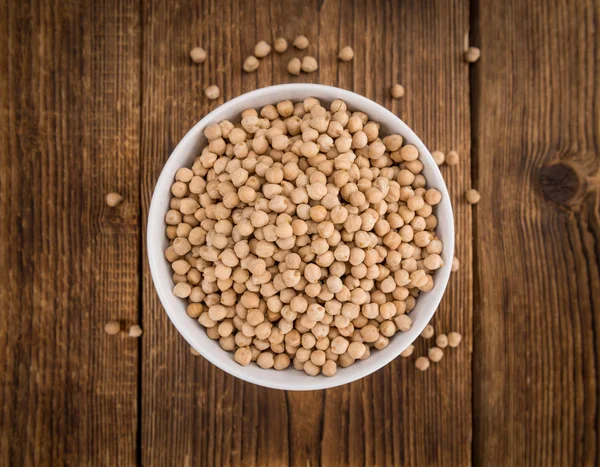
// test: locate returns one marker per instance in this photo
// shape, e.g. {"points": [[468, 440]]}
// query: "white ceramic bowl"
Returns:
{"points": [[184, 154]]}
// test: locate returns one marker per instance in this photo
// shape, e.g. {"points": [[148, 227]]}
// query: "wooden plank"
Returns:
{"points": [[537, 234], [70, 121], [194, 413], [391, 413]]}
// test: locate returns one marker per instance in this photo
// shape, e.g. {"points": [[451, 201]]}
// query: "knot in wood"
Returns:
{"points": [[561, 183]]}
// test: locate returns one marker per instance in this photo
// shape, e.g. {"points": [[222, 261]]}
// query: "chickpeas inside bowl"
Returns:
{"points": [[307, 228]]}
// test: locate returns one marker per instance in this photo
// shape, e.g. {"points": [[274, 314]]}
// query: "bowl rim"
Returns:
{"points": [[155, 222]]}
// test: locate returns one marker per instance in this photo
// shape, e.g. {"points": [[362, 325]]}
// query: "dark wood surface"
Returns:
{"points": [[95, 95]]}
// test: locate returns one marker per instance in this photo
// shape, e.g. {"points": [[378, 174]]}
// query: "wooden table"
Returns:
{"points": [[94, 97]]}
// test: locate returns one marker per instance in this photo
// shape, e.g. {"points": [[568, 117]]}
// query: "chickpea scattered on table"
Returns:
{"points": [[280, 45], [346, 54], [113, 199], [397, 91], [301, 42], [198, 55], [472, 54], [212, 92]]}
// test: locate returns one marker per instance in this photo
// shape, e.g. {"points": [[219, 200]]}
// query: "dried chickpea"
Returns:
{"points": [[280, 45], [112, 328], [262, 49], [422, 363], [441, 340], [452, 158], [397, 91], [473, 196], [439, 157], [265, 360], [309, 64], [435, 354], [329, 368], [408, 351], [294, 66], [346, 54], [356, 349], [454, 339], [250, 64], [198, 55], [472, 54], [311, 369], [114, 199], [281, 361], [301, 42], [212, 92], [428, 332]]}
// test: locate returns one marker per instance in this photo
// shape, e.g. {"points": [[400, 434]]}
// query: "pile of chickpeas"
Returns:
{"points": [[301, 236]]}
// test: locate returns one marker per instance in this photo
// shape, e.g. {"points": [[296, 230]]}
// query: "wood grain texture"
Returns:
{"points": [[537, 328], [70, 121], [94, 96], [193, 413]]}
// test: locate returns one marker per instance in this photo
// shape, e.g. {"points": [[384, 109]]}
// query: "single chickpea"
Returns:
{"points": [[262, 49], [346, 54], [294, 66], [473, 196], [454, 339], [433, 196], [112, 328], [397, 91], [439, 157], [135, 331], [250, 64], [280, 45], [472, 54], [441, 340], [113, 199], [212, 92], [345, 360], [301, 42], [318, 357], [312, 273], [198, 55], [329, 368], [182, 290], [369, 333], [452, 158], [393, 142], [409, 153], [315, 312], [435, 354], [433, 262], [311, 369], [415, 203], [318, 213], [408, 351], [339, 345], [265, 360], [357, 349], [281, 361], [455, 264], [422, 363], [428, 332], [309, 64], [403, 323]]}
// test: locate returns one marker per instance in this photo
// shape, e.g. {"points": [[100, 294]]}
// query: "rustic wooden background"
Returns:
{"points": [[95, 95]]}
